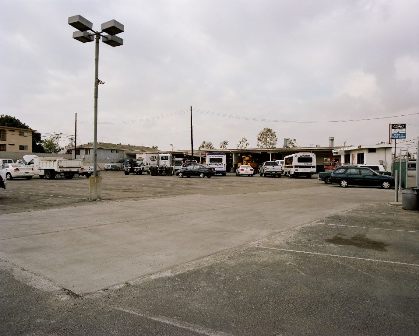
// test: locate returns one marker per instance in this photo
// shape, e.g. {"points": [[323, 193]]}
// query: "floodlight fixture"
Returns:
{"points": [[113, 41], [83, 36], [112, 27], [80, 23]]}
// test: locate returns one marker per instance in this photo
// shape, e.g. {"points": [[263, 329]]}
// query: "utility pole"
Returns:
{"points": [[75, 135], [191, 136]]}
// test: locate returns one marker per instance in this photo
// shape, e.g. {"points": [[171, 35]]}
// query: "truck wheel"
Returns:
{"points": [[68, 176], [126, 173], [202, 175], [9, 176], [50, 175], [180, 174]]}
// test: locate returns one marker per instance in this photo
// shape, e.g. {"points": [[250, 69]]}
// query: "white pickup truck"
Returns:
{"points": [[270, 168]]}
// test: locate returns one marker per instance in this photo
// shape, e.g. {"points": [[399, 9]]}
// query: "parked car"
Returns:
{"points": [[112, 166], [244, 170], [2, 178], [361, 176], [281, 164], [18, 170], [133, 167], [86, 171], [270, 168], [4, 162], [195, 169]]}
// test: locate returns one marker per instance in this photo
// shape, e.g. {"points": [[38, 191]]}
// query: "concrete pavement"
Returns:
{"points": [[96, 246]]}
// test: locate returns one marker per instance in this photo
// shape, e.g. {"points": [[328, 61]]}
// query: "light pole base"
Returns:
{"points": [[95, 188]]}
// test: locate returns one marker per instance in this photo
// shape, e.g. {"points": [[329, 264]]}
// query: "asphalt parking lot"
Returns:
{"points": [[219, 256]]}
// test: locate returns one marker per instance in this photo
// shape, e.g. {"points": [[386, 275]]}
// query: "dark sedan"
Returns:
{"points": [[195, 169], [360, 176]]}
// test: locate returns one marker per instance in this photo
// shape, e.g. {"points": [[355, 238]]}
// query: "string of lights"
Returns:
{"points": [[262, 119]]}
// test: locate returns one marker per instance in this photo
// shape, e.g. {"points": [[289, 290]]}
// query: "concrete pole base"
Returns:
{"points": [[95, 188]]}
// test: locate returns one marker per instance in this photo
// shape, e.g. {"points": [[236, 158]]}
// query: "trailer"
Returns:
{"points": [[157, 164], [300, 164], [218, 162]]}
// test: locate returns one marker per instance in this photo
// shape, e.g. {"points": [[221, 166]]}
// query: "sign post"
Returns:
{"points": [[397, 131]]}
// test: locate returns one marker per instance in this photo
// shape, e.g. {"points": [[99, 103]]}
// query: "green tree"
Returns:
{"points": [[51, 144], [243, 143], [291, 143], [224, 144], [267, 138], [206, 145]]}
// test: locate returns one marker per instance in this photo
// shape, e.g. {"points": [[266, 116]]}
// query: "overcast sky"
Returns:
{"points": [[243, 65]]}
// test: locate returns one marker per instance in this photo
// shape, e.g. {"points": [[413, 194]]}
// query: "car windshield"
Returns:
{"points": [[271, 163]]}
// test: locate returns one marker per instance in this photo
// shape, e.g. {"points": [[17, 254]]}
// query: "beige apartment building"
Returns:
{"points": [[15, 140]]}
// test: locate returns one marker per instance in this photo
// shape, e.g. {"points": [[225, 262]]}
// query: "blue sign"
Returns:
{"points": [[398, 131]]}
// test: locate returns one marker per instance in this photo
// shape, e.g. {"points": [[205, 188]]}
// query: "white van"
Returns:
{"points": [[218, 162], [300, 164]]}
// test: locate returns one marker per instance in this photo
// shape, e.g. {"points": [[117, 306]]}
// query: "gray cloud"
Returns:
{"points": [[278, 60]]}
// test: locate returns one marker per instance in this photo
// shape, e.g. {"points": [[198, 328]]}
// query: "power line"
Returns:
{"points": [[239, 117], [262, 119]]}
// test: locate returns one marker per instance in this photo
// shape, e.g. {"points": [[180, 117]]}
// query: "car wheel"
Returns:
{"points": [[9, 176], [28, 177], [209, 176], [202, 175], [126, 173], [343, 183], [327, 180], [386, 185], [180, 174]]}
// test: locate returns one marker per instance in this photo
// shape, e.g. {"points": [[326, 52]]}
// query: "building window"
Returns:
{"points": [[347, 159], [87, 152], [11, 144], [372, 150], [360, 158], [23, 133], [2, 135], [2, 148], [77, 151], [23, 147]]}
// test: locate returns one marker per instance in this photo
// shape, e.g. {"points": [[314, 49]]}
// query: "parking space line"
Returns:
{"points": [[337, 256], [179, 324], [373, 228]]}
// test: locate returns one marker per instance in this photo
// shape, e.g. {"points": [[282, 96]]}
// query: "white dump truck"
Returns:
{"points": [[50, 167]]}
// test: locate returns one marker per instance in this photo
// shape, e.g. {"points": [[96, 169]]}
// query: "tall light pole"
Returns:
{"points": [[85, 33]]}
